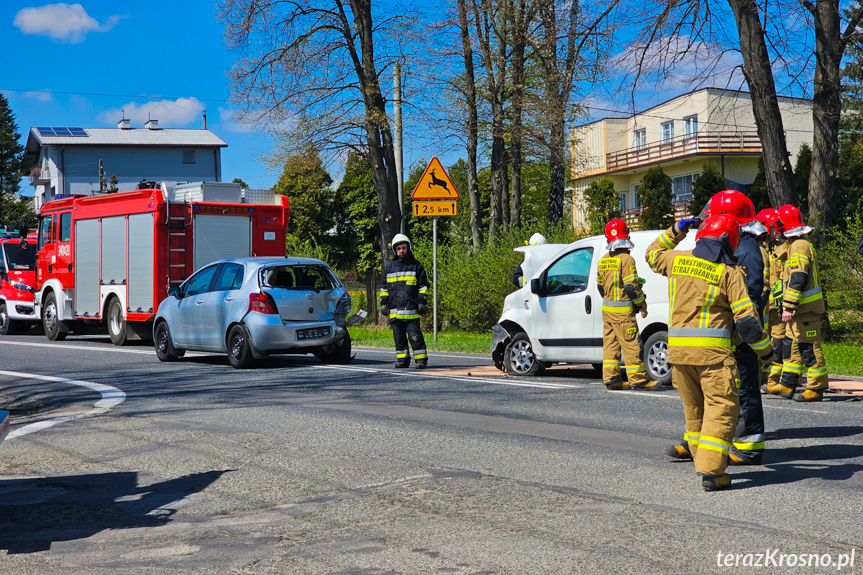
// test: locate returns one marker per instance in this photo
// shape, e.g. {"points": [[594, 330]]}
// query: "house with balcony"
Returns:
{"points": [[64, 161], [681, 135]]}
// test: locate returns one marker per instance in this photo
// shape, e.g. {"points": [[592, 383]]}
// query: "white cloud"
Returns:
{"points": [[169, 113], [39, 95], [64, 23]]}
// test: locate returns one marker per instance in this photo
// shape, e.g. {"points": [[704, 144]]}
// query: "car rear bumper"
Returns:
{"points": [[270, 334]]}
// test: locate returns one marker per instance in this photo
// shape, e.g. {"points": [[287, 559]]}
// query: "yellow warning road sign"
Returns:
{"points": [[435, 208], [435, 184]]}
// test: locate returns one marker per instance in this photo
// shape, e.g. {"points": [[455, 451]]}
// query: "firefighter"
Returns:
{"points": [[620, 288], [748, 445], [518, 277], [404, 296], [802, 307], [778, 251], [707, 299]]}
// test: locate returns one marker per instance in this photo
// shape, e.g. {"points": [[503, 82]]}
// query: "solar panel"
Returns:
{"points": [[62, 131], [78, 131], [45, 131]]}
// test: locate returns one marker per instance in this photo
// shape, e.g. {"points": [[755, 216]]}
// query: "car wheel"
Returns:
{"points": [[337, 353], [239, 348], [116, 322], [519, 358], [51, 319], [7, 326], [165, 349], [656, 358]]}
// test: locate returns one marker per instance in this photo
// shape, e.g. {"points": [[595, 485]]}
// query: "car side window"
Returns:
{"points": [[200, 282], [46, 230], [570, 273], [230, 277], [65, 227]]}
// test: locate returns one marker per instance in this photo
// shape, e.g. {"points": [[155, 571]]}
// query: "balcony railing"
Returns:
{"points": [[681, 146], [680, 208], [39, 175]]}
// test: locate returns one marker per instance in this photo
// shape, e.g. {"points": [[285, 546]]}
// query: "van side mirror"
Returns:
{"points": [[536, 287]]}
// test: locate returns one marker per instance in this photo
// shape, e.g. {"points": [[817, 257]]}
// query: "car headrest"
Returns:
{"points": [[283, 279]]}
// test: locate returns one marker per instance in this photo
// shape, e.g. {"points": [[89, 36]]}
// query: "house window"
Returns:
{"points": [[188, 156], [690, 126], [639, 138], [681, 188], [636, 196], [622, 197], [667, 131]]}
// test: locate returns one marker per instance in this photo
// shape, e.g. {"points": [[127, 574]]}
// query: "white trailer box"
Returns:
{"points": [[218, 192]]}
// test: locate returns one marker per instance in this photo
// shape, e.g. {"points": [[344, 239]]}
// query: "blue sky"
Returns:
{"points": [[83, 64]]}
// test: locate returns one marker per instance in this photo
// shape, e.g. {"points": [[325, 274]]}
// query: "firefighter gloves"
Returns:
{"points": [[684, 224]]}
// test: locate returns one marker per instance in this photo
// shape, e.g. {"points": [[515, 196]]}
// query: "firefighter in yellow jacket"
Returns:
{"points": [[619, 286], [802, 307], [707, 300], [778, 251]]}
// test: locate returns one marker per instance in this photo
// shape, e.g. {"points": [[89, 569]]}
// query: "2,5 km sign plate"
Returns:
{"points": [[435, 208]]}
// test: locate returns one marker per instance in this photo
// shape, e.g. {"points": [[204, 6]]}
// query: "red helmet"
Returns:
{"points": [[733, 203], [789, 219], [616, 230], [768, 217], [720, 226]]}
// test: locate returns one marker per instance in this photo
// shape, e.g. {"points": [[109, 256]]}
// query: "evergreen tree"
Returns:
{"points": [[851, 121], [12, 208], [603, 204], [240, 181], [709, 182], [758, 192], [655, 192], [802, 168]]}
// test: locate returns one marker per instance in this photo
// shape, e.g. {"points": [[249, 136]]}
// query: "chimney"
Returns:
{"points": [[124, 124], [205, 119], [152, 124]]}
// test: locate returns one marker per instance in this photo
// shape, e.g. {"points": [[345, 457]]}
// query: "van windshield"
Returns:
{"points": [[20, 256]]}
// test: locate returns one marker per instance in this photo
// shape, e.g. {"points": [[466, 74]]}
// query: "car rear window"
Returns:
{"points": [[20, 256], [300, 277]]}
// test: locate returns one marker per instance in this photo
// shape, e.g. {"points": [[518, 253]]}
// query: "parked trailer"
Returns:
{"points": [[111, 259]]}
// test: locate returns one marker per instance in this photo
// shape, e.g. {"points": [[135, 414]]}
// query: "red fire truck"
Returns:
{"points": [[17, 281], [110, 259]]}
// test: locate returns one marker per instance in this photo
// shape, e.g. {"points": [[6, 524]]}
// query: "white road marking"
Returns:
{"points": [[111, 397], [432, 375]]}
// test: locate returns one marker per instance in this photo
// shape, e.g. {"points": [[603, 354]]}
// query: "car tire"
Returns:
{"points": [[165, 349], [239, 348], [656, 358], [340, 354], [7, 326], [519, 358], [116, 322], [51, 319]]}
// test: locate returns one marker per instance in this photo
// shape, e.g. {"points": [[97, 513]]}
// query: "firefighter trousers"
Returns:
{"points": [[806, 355], [781, 348], [405, 330], [623, 336], [710, 407], [749, 437]]}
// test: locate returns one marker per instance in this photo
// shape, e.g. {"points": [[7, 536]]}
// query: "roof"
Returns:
{"points": [[169, 137]]}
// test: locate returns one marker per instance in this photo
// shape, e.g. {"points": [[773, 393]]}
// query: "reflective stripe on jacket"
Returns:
{"points": [[617, 270], [403, 281], [802, 287]]}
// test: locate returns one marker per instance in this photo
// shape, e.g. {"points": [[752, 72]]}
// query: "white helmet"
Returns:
{"points": [[400, 239], [536, 240]]}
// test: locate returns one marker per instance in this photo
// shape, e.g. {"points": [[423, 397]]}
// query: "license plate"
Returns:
{"points": [[313, 332]]}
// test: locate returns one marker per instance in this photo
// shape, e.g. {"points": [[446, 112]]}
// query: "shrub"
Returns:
{"points": [[841, 269]]}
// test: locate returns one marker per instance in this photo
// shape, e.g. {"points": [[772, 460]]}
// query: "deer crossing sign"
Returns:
{"points": [[435, 184]]}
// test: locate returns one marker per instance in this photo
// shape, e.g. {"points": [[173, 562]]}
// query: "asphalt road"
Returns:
{"points": [[118, 464]]}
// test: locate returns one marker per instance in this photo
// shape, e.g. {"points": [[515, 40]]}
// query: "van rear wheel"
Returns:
{"points": [[519, 359], [656, 358]]}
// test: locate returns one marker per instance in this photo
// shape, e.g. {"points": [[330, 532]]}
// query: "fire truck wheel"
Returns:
{"points": [[116, 322], [165, 349], [239, 348], [51, 320], [7, 326]]}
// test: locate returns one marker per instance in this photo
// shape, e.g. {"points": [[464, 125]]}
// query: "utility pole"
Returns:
{"points": [[397, 139]]}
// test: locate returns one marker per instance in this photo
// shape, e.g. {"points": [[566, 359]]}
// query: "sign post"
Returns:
{"points": [[435, 195]]}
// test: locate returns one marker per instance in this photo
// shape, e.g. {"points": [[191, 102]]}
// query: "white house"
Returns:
{"points": [[64, 161], [681, 135]]}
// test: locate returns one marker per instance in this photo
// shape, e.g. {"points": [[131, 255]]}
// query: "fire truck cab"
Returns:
{"points": [[110, 259], [17, 281]]}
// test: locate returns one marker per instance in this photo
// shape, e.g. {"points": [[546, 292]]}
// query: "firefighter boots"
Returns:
{"points": [[615, 384], [679, 451], [403, 362], [780, 390], [422, 363], [715, 482], [737, 457], [809, 395]]}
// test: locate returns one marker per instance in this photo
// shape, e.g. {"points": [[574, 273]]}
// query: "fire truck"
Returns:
{"points": [[110, 259], [17, 280]]}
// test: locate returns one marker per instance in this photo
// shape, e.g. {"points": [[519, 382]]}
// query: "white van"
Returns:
{"points": [[556, 317]]}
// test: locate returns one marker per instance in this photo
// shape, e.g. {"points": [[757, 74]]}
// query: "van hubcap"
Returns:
{"points": [[522, 357], [657, 359]]}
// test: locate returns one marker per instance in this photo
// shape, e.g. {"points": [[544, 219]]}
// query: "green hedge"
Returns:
{"points": [[841, 270]]}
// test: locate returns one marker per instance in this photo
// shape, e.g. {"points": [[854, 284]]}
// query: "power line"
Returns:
{"points": [[111, 95]]}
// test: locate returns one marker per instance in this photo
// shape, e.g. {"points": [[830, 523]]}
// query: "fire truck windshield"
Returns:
{"points": [[20, 256]]}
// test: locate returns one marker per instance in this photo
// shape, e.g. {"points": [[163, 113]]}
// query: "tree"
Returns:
{"points": [[709, 182], [242, 183], [758, 193], [802, 178], [12, 208], [603, 204], [310, 73], [655, 192]]}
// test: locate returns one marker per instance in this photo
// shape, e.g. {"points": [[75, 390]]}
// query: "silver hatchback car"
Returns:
{"points": [[250, 308]]}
